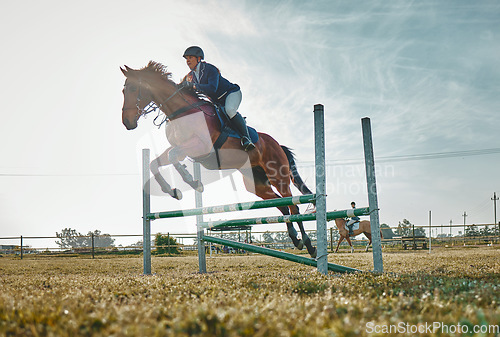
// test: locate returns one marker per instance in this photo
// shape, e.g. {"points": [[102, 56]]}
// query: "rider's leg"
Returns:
{"points": [[350, 225], [233, 101]]}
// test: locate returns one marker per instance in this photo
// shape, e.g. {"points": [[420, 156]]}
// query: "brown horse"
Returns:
{"points": [[364, 228], [192, 130]]}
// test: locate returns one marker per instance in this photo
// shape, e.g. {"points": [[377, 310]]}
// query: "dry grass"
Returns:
{"points": [[246, 295]]}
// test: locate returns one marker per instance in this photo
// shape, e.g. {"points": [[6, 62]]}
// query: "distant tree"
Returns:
{"points": [[268, 237], [486, 231], [100, 240], [137, 244], [282, 237], [70, 238], [472, 231], [166, 244], [405, 228], [335, 235]]}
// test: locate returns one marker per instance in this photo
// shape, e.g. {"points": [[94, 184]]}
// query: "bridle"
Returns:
{"points": [[152, 106]]}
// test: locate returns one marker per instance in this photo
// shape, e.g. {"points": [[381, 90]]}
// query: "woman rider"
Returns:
{"points": [[207, 79]]}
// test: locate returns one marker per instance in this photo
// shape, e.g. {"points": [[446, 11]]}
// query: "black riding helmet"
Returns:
{"points": [[194, 51]]}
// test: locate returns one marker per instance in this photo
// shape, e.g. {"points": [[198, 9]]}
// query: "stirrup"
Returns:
{"points": [[247, 144]]}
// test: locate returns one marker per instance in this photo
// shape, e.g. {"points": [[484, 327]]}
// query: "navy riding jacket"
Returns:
{"points": [[211, 83]]}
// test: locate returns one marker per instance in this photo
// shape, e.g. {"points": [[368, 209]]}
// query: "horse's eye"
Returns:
{"points": [[132, 88]]}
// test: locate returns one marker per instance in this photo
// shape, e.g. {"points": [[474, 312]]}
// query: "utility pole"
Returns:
{"points": [[465, 216], [495, 210], [430, 231]]}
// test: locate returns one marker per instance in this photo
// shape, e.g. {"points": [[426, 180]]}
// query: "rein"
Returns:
{"points": [[153, 107]]}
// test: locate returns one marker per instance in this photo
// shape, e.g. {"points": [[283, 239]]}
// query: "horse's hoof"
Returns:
{"points": [[199, 187], [300, 245], [176, 194], [314, 252]]}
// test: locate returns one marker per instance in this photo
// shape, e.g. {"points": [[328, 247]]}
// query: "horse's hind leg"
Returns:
{"points": [[279, 175], [305, 238], [256, 182]]}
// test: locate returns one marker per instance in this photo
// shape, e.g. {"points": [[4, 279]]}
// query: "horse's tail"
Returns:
{"points": [[296, 179]]}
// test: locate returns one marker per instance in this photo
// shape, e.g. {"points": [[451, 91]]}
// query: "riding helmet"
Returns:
{"points": [[194, 51]]}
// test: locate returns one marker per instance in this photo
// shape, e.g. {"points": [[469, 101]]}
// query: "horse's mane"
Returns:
{"points": [[158, 69]]}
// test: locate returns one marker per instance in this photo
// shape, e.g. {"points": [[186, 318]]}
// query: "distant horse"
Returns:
{"points": [[364, 228], [193, 129]]}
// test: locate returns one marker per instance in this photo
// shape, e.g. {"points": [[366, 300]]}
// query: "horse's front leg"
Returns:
{"points": [[155, 165], [178, 154], [350, 243], [188, 177], [338, 244]]}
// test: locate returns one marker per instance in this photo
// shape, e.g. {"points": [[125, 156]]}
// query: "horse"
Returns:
{"points": [[364, 228], [193, 129]]}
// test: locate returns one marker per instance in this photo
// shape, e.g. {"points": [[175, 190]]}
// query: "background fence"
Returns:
{"points": [[483, 234]]}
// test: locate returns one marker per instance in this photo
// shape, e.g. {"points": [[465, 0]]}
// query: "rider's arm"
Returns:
{"points": [[209, 81]]}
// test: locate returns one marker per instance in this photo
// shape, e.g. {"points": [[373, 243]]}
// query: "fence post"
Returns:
{"points": [[372, 195], [93, 245], [199, 219], [146, 208], [319, 140], [21, 247], [168, 243], [430, 232]]}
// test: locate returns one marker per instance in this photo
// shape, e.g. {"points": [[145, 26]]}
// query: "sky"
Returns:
{"points": [[427, 73]]}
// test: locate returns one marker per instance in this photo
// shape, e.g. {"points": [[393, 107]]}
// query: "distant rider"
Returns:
{"points": [[352, 221], [206, 78]]}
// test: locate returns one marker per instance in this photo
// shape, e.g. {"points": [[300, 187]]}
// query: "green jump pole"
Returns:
{"points": [[285, 218], [278, 254], [242, 206]]}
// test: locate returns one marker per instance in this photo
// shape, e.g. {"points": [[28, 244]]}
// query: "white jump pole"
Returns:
{"points": [[319, 146], [372, 195]]}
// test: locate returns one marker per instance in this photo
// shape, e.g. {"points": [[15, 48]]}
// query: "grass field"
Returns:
{"points": [[444, 293]]}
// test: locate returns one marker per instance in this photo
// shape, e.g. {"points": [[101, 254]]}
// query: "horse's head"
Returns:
{"points": [[136, 96]]}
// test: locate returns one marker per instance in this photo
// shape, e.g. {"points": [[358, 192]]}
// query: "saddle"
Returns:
{"points": [[212, 160], [355, 226]]}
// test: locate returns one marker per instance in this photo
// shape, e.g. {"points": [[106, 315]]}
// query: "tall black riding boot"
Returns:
{"points": [[351, 232], [240, 126]]}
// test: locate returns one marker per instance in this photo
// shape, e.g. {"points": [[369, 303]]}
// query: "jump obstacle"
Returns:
{"points": [[321, 216]]}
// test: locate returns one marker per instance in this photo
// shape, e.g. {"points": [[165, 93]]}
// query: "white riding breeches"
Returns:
{"points": [[351, 222], [233, 101]]}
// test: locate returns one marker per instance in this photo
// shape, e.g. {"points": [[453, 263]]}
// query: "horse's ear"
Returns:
{"points": [[124, 71]]}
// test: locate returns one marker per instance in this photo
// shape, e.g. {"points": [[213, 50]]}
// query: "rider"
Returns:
{"points": [[207, 79], [352, 221]]}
